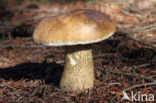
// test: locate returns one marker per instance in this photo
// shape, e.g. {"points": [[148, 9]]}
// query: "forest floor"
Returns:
{"points": [[125, 63]]}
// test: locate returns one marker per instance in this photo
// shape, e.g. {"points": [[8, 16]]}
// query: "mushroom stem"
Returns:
{"points": [[78, 73]]}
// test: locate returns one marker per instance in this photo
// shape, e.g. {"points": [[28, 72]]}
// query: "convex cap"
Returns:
{"points": [[76, 27]]}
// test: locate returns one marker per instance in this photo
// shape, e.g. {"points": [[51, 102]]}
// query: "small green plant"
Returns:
{"points": [[154, 3], [62, 1], [19, 2], [91, 1], [9, 48], [3, 37], [42, 2], [50, 2], [106, 0], [119, 4]]}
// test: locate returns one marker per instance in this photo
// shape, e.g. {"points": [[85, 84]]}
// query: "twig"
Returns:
{"points": [[131, 75], [122, 58], [43, 92], [141, 42], [41, 100], [144, 29], [27, 19], [117, 50], [24, 47], [148, 28], [140, 85], [103, 55], [126, 34], [129, 14], [112, 100], [39, 10], [126, 12], [60, 62], [135, 10], [9, 61], [6, 27], [142, 65]]}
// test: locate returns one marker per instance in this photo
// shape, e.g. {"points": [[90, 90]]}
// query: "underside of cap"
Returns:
{"points": [[78, 42], [74, 28]]}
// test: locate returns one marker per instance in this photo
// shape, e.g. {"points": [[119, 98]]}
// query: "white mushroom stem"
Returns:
{"points": [[78, 73]]}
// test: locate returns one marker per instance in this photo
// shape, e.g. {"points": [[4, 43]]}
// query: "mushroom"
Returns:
{"points": [[75, 30]]}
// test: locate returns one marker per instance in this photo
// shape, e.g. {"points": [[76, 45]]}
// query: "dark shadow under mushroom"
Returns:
{"points": [[50, 72]]}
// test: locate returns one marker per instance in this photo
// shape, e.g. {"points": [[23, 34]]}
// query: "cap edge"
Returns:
{"points": [[70, 43]]}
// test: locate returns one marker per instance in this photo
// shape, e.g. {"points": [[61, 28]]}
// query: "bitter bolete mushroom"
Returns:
{"points": [[75, 30]]}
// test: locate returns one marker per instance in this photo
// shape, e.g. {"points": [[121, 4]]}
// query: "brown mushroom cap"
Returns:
{"points": [[76, 27]]}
